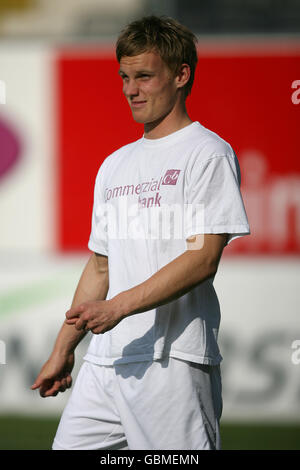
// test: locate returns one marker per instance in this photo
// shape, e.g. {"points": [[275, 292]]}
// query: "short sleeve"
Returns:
{"points": [[98, 237], [214, 200]]}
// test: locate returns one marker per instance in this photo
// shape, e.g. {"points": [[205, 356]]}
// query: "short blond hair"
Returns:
{"points": [[175, 43]]}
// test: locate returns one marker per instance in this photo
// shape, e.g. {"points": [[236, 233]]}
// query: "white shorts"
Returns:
{"points": [[159, 405]]}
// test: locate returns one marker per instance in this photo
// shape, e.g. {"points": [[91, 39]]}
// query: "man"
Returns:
{"points": [[165, 207]]}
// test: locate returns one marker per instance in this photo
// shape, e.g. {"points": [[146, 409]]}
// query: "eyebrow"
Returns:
{"points": [[138, 72]]}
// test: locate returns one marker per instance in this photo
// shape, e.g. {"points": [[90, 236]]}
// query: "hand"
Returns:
{"points": [[55, 375], [98, 316]]}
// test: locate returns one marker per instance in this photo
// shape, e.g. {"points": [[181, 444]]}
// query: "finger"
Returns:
{"points": [[63, 385], [71, 321], [50, 392], [75, 311], [97, 330], [71, 314], [40, 382], [36, 384], [69, 381], [81, 324], [91, 324], [46, 391]]}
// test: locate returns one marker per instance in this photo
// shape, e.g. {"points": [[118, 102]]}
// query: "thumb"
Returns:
{"points": [[36, 384]]}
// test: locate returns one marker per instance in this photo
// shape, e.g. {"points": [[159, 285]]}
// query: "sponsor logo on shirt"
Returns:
{"points": [[171, 177], [123, 217]]}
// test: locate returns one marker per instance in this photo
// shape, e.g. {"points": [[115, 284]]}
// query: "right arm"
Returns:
{"points": [[55, 375]]}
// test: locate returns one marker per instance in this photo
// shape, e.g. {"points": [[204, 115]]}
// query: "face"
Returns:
{"points": [[149, 86]]}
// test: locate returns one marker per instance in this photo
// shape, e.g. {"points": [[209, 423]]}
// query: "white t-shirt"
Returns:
{"points": [[149, 197]]}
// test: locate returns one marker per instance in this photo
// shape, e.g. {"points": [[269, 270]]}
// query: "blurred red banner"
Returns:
{"points": [[250, 97]]}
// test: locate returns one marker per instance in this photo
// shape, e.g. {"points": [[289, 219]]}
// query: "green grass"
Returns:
{"points": [[24, 433], [260, 436]]}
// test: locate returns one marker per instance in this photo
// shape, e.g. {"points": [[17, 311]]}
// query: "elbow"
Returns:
{"points": [[204, 271], [211, 268]]}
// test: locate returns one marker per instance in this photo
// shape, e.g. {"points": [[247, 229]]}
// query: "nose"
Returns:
{"points": [[130, 88]]}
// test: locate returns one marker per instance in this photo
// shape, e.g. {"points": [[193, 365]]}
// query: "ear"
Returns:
{"points": [[183, 75]]}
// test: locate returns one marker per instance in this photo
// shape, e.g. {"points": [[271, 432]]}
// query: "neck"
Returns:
{"points": [[175, 120]]}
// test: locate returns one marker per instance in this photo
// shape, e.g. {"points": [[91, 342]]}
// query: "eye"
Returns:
{"points": [[144, 76]]}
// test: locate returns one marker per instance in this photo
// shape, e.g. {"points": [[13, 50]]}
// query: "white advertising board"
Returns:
{"points": [[258, 336]]}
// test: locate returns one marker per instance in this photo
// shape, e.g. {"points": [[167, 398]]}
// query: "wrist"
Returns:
{"points": [[62, 353], [67, 340], [122, 305], [62, 350]]}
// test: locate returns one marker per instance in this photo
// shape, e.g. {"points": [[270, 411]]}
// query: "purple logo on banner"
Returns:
{"points": [[9, 149]]}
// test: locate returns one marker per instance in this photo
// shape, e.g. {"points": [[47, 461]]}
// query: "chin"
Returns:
{"points": [[139, 119]]}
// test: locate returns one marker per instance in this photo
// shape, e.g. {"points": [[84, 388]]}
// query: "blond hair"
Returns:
{"points": [[175, 43]]}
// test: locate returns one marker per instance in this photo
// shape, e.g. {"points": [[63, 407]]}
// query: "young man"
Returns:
{"points": [[165, 207]]}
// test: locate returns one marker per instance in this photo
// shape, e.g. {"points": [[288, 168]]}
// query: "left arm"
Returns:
{"points": [[169, 283]]}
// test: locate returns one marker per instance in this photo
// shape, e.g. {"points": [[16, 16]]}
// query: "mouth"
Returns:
{"points": [[138, 104]]}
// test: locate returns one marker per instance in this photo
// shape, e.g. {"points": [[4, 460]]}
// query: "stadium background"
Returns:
{"points": [[62, 112]]}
